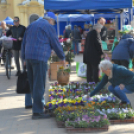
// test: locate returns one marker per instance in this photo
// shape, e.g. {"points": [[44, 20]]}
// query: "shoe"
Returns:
{"points": [[37, 116], [28, 107], [18, 73], [12, 67]]}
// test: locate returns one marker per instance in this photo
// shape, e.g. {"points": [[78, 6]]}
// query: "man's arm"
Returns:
{"points": [[99, 86], [54, 42], [98, 43]]}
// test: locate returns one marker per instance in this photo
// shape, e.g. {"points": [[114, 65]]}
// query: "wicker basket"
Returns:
{"points": [[63, 77]]}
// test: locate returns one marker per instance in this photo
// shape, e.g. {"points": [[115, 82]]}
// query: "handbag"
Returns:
{"points": [[23, 84]]}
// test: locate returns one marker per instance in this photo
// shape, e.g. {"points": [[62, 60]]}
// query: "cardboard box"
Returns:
{"points": [[53, 70]]}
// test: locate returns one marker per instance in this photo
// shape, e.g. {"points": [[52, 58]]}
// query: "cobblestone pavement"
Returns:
{"points": [[14, 119]]}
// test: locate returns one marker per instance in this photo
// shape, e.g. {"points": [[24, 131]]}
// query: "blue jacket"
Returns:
{"points": [[125, 49], [121, 75]]}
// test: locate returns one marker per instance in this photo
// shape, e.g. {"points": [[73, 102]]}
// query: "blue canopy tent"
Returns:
{"points": [[87, 6], [9, 21]]}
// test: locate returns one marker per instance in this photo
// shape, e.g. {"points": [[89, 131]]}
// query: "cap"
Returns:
{"points": [[50, 15]]}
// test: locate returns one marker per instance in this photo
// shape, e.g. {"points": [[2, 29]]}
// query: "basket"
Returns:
{"points": [[63, 77], [7, 43]]}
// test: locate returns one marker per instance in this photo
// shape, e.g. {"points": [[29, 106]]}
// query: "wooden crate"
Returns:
{"points": [[53, 70]]}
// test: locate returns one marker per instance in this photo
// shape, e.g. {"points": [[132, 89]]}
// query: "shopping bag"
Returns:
{"points": [[82, 69], [23, 84], [104, 45]]}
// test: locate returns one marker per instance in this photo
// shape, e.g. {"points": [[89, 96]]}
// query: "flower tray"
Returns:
{"points": [[86, 130], [60, 124], [122, 121]]}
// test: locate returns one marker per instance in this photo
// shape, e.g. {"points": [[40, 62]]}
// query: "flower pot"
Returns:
{"points": [[60, 124], [116, 121], [86, 130], [129, 120], [123, 121], [133, 119], [112, 121]]}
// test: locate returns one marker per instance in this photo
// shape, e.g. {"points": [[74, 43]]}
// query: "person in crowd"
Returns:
{"points": [[103, 32], [17, 32], [124, 51], [93, 53], [40, 37], [67, 31], [80, 29], [76, 38], [121, 79], [3, 30]]}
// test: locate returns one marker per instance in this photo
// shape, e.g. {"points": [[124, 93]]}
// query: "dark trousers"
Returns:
{"points": [[37, 77], [121, 62], [92, 73]]}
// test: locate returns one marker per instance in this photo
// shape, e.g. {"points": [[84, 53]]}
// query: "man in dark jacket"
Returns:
{"points": [[103, 32], [121, 79], [93, 53], [17, 32], [76, 38]]}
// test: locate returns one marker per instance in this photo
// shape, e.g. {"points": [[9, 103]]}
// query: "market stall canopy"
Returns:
{"points": [[75, 17], [9, 21], [86, 6]]}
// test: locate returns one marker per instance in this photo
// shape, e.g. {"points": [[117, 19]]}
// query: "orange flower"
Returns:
{"points": [[92, 102], [89, 105]]}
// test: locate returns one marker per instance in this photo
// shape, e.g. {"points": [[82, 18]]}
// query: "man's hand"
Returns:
{"points": [[63, 62], [24, 63], [122, 86], [20, 39]]}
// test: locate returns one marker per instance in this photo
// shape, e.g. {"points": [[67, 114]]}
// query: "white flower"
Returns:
{"points": [[68, 40]]}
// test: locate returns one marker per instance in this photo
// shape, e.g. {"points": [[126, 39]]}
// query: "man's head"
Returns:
{"points": [[50, 16], [75, 26], [66, 27], [101, 21], [16, 21], [69, 27], [97, 27], [106, 67], [3, 24]]}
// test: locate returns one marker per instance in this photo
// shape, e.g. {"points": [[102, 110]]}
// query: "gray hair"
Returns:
{"points": [[66, 27], [97, 26], [105, 64]]}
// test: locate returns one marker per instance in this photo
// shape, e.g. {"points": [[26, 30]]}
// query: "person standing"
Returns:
{"points": [[3, 31], [76, 38], [103, 32], [17, 32], [40, 37], [93, 53]]}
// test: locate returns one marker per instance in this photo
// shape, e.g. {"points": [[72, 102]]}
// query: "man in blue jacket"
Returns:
{"points": [[121, 79], [39, 39]]}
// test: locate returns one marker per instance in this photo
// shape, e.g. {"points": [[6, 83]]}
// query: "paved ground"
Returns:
{"points": [[14, 119]]}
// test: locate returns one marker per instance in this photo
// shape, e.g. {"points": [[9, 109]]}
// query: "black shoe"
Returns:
{"points": [[28, 107], [18, 73], [12, 67], [37, 116]]}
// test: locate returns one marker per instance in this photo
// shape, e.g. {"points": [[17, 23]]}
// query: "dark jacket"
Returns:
{"points": [[16, 32], [92, 51], [121, 75], [75, 35], [67, 33], [125, 49], [103, 33]]}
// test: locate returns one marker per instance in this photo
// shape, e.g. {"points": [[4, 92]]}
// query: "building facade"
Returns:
{"points": [[26, 10]]}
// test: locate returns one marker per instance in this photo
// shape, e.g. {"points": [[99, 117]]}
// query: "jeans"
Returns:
{"points": [[120, 93], [76, 43], [17, 55], [92, 73], [37, 77]]}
